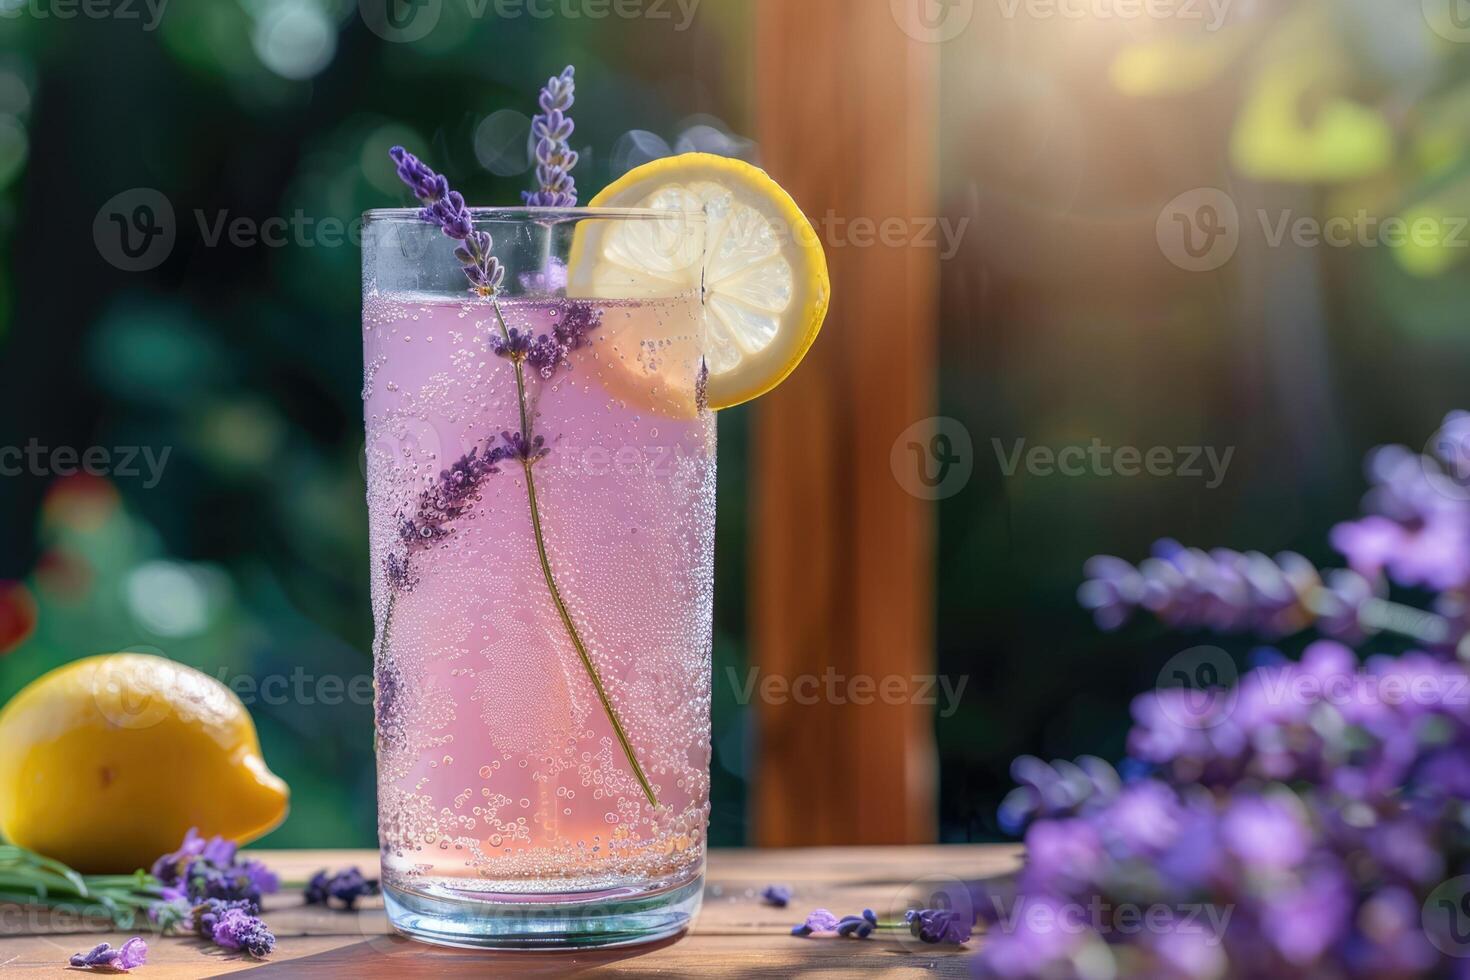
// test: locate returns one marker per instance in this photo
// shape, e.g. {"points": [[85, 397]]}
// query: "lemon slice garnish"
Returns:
{"points": [[763, 271]]}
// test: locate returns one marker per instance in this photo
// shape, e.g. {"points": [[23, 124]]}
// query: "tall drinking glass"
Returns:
{"points": [[541, 493]]}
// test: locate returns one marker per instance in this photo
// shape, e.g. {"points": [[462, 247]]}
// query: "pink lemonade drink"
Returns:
{"points": [[541, 492]]}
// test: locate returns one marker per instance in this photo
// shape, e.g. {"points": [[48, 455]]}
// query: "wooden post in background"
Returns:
{"points": [[841, 555]]}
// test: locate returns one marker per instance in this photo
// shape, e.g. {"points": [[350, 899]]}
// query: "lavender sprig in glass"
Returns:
{"points": [[544, 355], [555, 158], [446, 208]]}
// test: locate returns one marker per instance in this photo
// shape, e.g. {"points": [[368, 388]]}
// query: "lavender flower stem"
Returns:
{"points": [[1395, 617], [382, 646], [1383, 616], [527, 463]]}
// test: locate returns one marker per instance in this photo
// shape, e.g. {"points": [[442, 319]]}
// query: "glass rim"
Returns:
{"points": [[534, 215]]}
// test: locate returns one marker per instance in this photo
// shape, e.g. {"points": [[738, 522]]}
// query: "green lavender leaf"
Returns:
{"points": [[28, 878]]}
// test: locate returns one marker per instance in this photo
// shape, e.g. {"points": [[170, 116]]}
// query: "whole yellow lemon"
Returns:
{"points": [[107, 762]]}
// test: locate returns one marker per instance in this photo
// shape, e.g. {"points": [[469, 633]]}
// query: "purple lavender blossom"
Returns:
{"points": [[1223, 590], [550, 279], [857, 926], [525, 451], [939, 926], [441, 503], [776, 895], [446, 208], [555, 158], [1417, 523], [345, 886], [211, 868], [234, 925], [1061, 788], [208, 913], [701, 388], [1313, 811], [1062, 851], [1031, 952], [1266, 832], [103, 956], [172, 909], [514, 346], [237, 929], [549, 352], [820, 920]]}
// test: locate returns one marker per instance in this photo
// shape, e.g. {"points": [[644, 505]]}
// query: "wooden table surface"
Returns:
{"points": [[735, 933]]}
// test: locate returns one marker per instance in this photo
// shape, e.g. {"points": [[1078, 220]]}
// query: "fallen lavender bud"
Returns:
{"points": [[777, 895], [103, 956]]}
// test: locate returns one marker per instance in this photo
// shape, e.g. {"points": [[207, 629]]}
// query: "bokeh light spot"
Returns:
{"points": [[502, 143], [168, 599], [295, 40], [635, 148]]}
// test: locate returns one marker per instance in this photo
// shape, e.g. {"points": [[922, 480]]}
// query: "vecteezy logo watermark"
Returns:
{"points": [[833, 230], [401, 21], [1199, 230], [134, 231], [300, 229], [933, 891], [933, 458], [1445, 917], [1450, 19], [410, 20], [298, 688], [1364, 230], [1204, 678], [1284, 684], [1096, 459], [932, 21], [934, 231], [148, 12], [1097, 916], [34, 459], [831, 687], [1211, 13], [132, 695]]}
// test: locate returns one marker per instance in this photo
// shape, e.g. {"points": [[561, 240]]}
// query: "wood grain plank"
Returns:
{"points": [[842, 556], [735, 934]]}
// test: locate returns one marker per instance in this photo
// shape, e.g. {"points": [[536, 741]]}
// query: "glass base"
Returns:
{"points": [[448, 914]]}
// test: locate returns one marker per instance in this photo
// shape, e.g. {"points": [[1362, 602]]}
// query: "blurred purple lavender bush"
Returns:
{"points": [[1309, 820]]}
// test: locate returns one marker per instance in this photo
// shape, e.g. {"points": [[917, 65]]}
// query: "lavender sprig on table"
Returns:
{"points": [[446, 208], [234, 925], [211, 868], [927, 925], [555, 158], [939, 926], [345, 886], [778, 896], [204, 887]]}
